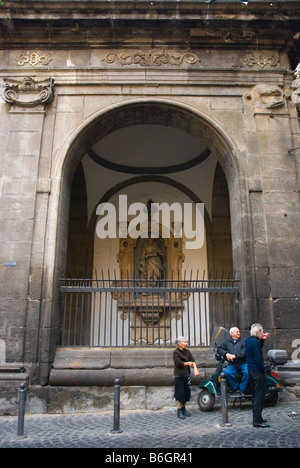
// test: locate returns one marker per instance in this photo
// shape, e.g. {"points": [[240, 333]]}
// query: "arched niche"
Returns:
{"points": [[178, 114]]}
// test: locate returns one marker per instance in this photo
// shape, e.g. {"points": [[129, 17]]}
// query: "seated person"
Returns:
{"points": [[233, 350]]}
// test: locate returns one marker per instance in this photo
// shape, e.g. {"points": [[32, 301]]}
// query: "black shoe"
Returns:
{"points": [[185, 412], [180, 414], [263, 424]]}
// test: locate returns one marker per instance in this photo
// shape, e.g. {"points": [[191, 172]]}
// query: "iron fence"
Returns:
{"points": [[118, 313]]}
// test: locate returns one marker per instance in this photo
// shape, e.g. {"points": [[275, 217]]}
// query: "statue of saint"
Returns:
{"points": [[151, 261]]}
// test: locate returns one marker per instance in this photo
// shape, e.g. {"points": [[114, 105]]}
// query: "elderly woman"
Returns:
{"points": [[183, 361]]}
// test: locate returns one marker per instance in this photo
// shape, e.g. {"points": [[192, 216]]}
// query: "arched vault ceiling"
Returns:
{"points": [[148, 139], [149, 149]]}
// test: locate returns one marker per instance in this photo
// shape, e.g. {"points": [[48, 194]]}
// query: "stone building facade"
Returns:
{"points": [[161, 100]]}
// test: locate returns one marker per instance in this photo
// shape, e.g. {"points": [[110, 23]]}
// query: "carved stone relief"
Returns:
{"points": [[151, 58], [296, 88], [146, 259], [28, 92], [266, 97], [261, 59], [158, 58], [235, 35], [34, 59], [162, 58]]}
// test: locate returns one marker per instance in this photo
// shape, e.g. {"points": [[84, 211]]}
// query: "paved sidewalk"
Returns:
{"points": [[157, 429]]}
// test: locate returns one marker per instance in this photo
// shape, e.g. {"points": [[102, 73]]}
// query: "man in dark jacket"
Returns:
{"points": [[233, 350], [257, 375]]}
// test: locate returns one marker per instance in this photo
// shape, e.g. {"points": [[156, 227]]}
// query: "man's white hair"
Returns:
{"points": [[255, 328], [232, 329]]}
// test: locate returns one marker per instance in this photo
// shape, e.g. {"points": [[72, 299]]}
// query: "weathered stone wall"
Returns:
{"points": [[142, 367], [58, 96], [82, 380]]}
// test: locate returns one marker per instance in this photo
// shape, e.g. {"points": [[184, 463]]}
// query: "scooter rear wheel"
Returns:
{"points": [[206, 400]]}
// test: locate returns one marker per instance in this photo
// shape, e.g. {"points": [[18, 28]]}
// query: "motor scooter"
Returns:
{"points": [[210, 389]]}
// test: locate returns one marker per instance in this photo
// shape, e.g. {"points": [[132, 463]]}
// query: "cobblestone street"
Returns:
{"points": [[157, 429]]}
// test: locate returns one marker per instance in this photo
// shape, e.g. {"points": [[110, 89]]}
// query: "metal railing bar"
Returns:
{"points": [[118, 313]]}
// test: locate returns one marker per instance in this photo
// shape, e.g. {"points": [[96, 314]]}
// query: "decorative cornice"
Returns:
{"points": [[28, 92], [101, 23]]}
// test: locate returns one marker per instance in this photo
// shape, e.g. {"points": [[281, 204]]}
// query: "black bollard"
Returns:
{"points": [[21, 411], [116, 429], [225, 421]]}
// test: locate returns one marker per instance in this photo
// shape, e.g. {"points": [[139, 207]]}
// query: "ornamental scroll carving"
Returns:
{"points": [[28, 92], [151, 58], [34, 59], [261, 59]]}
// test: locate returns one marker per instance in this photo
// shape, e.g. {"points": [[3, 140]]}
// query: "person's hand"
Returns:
{"points": [[196, 373], [230, 357]]}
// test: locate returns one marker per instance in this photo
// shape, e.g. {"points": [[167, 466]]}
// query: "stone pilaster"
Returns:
{"points": [[22, 212]]}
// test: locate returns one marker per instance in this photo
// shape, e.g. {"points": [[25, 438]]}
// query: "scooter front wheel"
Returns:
{"points": [[206, 400], [271, 399]]}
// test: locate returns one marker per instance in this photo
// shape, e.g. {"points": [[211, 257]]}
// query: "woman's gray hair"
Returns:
{"points": [[255, 328], [180, 339]]}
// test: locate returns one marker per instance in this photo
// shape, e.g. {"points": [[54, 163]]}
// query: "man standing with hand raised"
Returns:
{"points": [[256, 369]]}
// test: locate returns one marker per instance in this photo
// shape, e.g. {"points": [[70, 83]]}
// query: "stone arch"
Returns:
{"points": [[177, 114]]}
